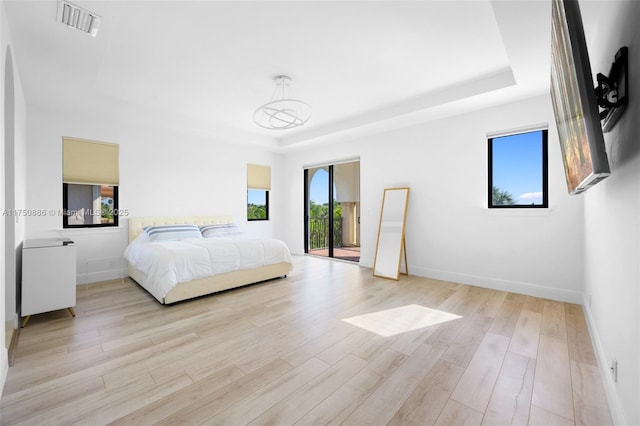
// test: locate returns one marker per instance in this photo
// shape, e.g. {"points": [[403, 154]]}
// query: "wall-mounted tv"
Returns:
{"points": [[574, 100]]}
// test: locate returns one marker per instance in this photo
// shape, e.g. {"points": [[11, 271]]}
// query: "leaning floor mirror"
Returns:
{"points": [[390, 247]]}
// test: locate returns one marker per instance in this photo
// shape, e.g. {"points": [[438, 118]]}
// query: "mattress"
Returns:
{"points": [[168, 263]]}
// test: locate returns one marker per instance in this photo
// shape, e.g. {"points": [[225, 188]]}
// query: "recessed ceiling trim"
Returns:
{"points": [[409, 108], [76, 17]]}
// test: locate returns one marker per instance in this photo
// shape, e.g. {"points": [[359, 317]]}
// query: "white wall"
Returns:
{"points": [[450, 233], [18, 186], [346, 178], [612, 217], [162, 173]]}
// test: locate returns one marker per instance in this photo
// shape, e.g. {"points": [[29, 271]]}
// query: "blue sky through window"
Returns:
{"points": [[257, 197], [517, 166], [318, 192]]}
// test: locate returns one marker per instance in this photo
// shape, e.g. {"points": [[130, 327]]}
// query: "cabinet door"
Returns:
{"points": [[48, 279]]}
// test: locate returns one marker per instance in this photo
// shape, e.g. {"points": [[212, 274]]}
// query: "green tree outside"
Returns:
{"points": [[256, 212], [319, 223], [106, 213], [501, 197]]}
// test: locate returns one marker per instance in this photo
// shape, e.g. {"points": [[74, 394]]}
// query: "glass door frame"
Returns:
{"points": [[309, 173], [330, 205]]}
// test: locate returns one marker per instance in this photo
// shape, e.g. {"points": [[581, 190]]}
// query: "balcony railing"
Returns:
{"points": [[319, 232]]}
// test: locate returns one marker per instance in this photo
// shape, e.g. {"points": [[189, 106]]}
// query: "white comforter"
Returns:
{"points": [[170, 262]]}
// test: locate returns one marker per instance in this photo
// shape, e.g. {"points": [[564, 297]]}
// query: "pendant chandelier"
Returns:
{"points": [[283, 111]]}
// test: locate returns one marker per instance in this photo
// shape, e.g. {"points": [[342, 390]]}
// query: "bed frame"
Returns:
{"points": [[202, 286]]}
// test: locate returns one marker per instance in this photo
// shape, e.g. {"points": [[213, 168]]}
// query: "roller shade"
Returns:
{"points": [[258, 177], [89, 162]]}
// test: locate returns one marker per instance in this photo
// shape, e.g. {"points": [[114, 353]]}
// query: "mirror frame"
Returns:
{"points": [[392, 256]]}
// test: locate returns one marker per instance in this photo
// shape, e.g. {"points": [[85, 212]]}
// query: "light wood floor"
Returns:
{"points": [[279, 353]]}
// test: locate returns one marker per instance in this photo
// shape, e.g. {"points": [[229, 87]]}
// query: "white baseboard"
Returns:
{"points": [[366, 262], [615, 406], [529, 289], [98, 276]]}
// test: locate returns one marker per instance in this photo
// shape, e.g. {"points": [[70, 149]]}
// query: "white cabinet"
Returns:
{"points": [[48, 276]]}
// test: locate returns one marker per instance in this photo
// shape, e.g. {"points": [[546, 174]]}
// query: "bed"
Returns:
{"points": [[265, 266]]}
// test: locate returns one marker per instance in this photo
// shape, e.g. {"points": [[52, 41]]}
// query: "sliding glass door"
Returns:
{"points": [[346, 180], [332, 210]]}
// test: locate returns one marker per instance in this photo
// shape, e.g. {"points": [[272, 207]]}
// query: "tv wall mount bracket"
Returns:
{"points": [[612, 91]]}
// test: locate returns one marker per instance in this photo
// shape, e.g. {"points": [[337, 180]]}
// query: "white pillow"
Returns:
{"points": [[172, 232], [220, 230]]}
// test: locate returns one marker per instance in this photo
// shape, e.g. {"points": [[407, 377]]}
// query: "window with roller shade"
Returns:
{"points": [[90, 183], [258, 187]]}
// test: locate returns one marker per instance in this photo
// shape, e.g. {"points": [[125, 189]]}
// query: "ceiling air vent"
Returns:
{"points": [[81, 19]]}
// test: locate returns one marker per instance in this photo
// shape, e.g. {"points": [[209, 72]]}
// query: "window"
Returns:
{"points": [[257, 204], [90, 184], [518, 170], [90, 205], [258, 187]]}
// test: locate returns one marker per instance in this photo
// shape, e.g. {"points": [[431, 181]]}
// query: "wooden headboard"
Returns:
{"points": [[137, 223]]}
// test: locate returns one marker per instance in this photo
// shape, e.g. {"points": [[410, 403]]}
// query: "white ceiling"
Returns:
{"points": [[363, 66]]}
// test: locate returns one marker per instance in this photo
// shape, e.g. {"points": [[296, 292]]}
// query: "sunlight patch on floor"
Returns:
{"points": [[400, 320]]}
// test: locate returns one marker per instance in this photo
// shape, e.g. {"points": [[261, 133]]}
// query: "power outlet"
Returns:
{"points": [[614, 369]]}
